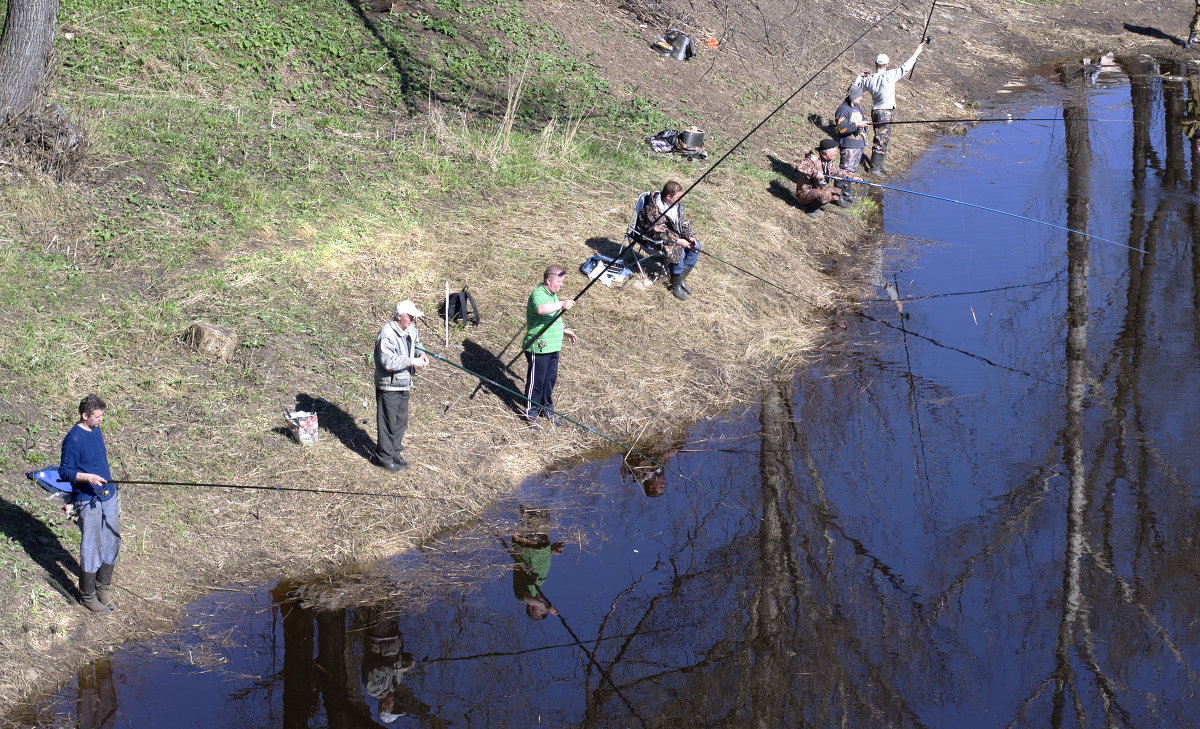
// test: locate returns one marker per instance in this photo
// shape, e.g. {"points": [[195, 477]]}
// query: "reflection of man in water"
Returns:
{"points": [[384, 664], [96, 707], [648, 474], [531, 552], [1190, 124]]}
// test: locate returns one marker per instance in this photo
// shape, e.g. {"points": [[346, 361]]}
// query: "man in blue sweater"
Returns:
{"points": [[84, 464]]}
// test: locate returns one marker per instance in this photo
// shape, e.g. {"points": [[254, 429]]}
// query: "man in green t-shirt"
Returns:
{"points": [[543, 343]]}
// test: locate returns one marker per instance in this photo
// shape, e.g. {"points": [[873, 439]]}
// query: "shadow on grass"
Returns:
{"points": [[42, 546], [338, 423], [784, 193], [481, 361], [1153, 33], [786, 170]]}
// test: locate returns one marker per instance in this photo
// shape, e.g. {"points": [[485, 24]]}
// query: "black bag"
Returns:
{"points": [[463, 307]]}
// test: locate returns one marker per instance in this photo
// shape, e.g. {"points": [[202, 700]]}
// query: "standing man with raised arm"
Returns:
{"points": [[882, 87], [84, 464], [542, 347]]}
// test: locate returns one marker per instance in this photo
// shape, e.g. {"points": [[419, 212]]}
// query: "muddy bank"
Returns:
{"points": [[471, 451]]}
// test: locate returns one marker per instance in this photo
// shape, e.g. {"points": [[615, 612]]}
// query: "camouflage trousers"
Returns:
{"points": [[850, 159], [1196, 19], [883, 134]]}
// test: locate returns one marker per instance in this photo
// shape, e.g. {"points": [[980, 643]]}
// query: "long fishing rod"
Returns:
{"points": [[984, 207], [569, 419], [924, 35], [755, 275], [624, 446], [122, 482], [995, 119], [716, 164]]}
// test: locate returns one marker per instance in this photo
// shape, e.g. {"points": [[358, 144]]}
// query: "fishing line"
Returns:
{"points": [[760, 278], [1006, 119], [984, 207], [716, 164], [1045, 282], [121, 482]]}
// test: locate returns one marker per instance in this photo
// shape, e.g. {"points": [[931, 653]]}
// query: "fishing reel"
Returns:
{"points": [[928, 39]]}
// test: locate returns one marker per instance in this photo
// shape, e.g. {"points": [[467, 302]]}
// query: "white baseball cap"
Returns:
{"points": [[408, 308], [882, 59]]}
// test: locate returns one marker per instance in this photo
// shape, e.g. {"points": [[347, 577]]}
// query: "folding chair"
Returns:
{"points": [[651, 248]]}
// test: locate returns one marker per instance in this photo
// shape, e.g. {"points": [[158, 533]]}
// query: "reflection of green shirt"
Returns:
{"points": [[532, 564], [550, 340]]}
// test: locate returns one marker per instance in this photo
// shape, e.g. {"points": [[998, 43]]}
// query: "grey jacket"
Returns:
{"points": [[395, 349]]}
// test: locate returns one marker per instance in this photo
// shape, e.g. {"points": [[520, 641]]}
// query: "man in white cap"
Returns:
{"points": [[396, 358], [881, 85]]}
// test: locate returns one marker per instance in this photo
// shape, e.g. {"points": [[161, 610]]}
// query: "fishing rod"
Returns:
{"points": [[122, 482], [924, 35], [984, 207], [996, 119], [625, 447], [493, 383], [760, 278], [714, 165]]}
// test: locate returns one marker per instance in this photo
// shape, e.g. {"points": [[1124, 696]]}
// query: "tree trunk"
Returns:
{"points": [[25, 50]]}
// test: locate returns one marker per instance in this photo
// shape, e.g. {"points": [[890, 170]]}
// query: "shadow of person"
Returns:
{"points": [[42, 546], [778, 189], [603, 245], [339, 423], [829, 127], [477, 359], [786, 170], [1153, 33]]}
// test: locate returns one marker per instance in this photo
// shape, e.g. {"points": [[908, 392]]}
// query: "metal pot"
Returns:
{"points": [[692, 137]]}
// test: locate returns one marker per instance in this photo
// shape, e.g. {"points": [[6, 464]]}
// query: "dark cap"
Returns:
{"points": [[827, 144]]}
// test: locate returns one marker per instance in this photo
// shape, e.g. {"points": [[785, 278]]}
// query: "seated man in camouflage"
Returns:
{"points": [[662, 219]]}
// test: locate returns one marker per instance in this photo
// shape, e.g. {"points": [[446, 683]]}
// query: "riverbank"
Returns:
{"points": [[307, 298]]}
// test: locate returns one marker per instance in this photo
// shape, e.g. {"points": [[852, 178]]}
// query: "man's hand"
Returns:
{"points": [[570, 335], [567, 304], [422, 362], [91, 478]]}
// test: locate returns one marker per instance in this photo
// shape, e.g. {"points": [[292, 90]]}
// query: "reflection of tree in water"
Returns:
{"points": [[346, 684], [96, 707]]}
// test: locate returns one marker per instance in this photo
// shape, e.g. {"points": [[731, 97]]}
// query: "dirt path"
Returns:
{"points": [[470, 450]]}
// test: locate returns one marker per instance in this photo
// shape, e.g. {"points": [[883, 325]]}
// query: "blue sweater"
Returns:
{"points": [[83, 451]]}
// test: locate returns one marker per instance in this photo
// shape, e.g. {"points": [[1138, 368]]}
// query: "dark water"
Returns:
{"points": [[981, 514]]}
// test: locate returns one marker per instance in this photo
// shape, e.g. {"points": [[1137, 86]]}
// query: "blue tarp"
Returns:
{"points": [[47, 478]]}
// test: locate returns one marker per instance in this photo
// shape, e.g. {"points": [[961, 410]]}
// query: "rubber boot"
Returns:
{"points": [[844, 200], [677, 287], [683, 282], [879, 166], [87, 593], [103, 582], [844, 186], [1191, 42]]}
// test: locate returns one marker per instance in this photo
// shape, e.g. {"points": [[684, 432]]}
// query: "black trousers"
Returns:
{"points": [[391, 419], [539, 383]]}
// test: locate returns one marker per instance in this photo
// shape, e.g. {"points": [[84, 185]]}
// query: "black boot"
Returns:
{"points": [[677, 287], [879, 166], [87, 593], [1191, 42], [103, 582], [845, 187], [683, 282]]}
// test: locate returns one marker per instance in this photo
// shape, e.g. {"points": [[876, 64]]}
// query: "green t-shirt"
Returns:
{"points": [[532, 565], [550, 340]]}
